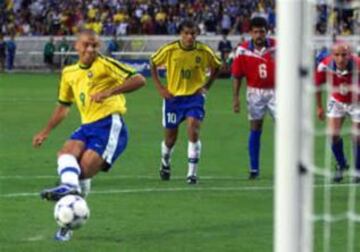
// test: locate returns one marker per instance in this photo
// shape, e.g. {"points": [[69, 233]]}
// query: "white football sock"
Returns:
{"points": [[194, 151], [68, 169], [166, 153], [85, 185]]}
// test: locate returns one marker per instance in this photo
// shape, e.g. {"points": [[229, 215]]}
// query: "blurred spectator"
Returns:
{"points": [[224, 47], [64, 48], [10, 52], [112, 46], [49, 51], [225, 23], [172, 26], [210, 23], [160, 27], [2, 53], [109, 28], [122, 28]]}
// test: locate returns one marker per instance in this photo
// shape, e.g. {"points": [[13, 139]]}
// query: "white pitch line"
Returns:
{"points": [[32, 177], [177, 189], [147, 190], [35, 238]]}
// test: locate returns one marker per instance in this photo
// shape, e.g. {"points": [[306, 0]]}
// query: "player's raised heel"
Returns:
{"points": [[165, 172], [56, 193], [192, 180], [63, 234]]}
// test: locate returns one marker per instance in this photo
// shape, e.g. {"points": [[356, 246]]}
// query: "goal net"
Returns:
{"points": [[312, 213]]}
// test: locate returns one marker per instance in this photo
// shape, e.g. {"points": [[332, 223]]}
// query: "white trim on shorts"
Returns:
{"points": [[116, 126], [163, 114]]}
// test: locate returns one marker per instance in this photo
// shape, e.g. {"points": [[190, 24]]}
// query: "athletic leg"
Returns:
{"points": [[68, 170], [167, 148], [254, 147], [335, 124], [194, 148]]}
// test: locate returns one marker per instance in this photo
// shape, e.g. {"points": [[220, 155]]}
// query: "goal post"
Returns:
{"points": [[288, 219], [311, 213]]}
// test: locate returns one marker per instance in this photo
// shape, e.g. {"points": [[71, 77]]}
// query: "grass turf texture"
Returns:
{"points": [[131, 209]]}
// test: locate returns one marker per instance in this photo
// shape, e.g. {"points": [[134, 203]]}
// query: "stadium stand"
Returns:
{"points": [[141, 26], [126, 17]]}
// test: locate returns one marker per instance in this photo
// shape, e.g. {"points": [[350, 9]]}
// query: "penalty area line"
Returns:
{"points": [[179, 189], [147, 190], [109, 177]]}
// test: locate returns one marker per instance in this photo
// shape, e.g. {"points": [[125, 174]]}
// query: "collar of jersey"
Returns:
{"points": [[83, 66], [187, 49]]}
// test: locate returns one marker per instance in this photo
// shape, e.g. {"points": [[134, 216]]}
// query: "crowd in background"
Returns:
{"points": [[146, 17], [342, 18], [121, 17]]}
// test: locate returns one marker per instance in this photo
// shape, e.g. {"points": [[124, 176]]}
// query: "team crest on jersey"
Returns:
{"points": [[90, 74], [197, 59]]}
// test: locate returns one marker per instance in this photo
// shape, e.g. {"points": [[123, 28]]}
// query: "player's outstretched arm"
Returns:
{"points": [[164, 93], [57, 116], [131, 84], [236, 97]]}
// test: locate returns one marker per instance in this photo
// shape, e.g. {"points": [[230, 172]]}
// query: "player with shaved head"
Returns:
{"points": [[341, 71], [97, 85]]}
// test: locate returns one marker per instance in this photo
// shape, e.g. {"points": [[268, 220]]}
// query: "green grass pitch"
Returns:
{"points": [[131, 209]]}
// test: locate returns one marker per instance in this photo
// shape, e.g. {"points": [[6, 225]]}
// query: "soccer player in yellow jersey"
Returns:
{"points": [[96, 84], [187, 63]]}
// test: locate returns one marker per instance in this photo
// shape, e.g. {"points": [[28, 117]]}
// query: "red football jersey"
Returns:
{"points": [[343, 86], [257, 67]]}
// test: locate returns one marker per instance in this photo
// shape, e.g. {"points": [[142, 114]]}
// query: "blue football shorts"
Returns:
{"points": [[178, 108], [108, 137]]}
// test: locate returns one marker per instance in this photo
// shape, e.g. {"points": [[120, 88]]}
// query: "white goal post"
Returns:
{"points": [[306, 220], [292, 224]]}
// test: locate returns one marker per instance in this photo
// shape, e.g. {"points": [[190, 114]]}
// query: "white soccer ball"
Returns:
{"points": [[71, 211]]}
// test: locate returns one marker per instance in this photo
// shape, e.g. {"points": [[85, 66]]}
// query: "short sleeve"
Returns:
{"points": [[65, 95], [159, 57], [320, 74], [237, 67]]}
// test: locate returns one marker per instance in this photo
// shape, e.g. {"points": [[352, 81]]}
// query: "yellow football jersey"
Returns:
{"points": [[186, 68], [78, 83]]}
